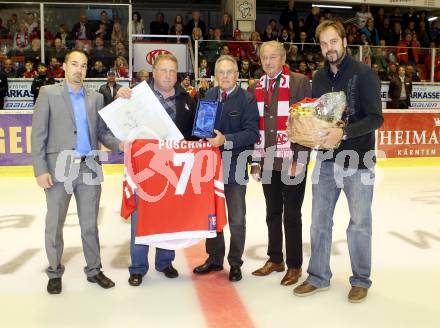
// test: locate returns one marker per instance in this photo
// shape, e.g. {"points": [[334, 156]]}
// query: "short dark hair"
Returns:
{"points": [[66, 58]]}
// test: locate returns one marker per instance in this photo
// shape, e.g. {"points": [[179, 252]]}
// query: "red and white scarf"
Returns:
{"points": [[283, 144]]}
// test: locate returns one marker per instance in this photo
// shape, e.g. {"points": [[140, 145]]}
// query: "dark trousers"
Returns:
{"points": [[288, 199], [215, 247]]}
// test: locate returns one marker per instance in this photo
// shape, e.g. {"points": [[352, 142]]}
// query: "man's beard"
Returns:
{"points": [[338, 59]]}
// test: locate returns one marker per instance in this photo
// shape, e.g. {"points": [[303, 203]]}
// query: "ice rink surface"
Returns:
{"points": [[405, 273]]}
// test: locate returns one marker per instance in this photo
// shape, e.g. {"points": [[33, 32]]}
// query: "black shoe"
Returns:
{"points": [[101, 280], [235, 273], [135, 279], [206, 268], [170, 272], [54, 286]]}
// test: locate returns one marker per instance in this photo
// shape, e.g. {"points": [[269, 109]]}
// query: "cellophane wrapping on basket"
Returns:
{"points": [[309, 117]]}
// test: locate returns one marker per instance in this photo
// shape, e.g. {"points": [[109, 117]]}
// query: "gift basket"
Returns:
{"points": [[309, 117]]}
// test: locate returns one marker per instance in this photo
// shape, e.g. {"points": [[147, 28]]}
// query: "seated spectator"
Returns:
{"points": [[397, 34], [197, 36], [186, 85], [274, 24], [203, 68], [48, 36], [120, 50], [362, 16], [29, 71], [371, 32], [55, 69], [98, 70], [284, 37], [178, 32], [312, 21], [142, 75], [30, 23], [289, 14], [177, 20], [195, 22], [110, 89], [9, 70], [137, 23], [392, 71], [120, 67], [65, 36], [254, 48], [212, 49], [423, 35], [105, 27], [57, 50], [304, 70], [4, 32], [267, 35], [293, 58], [21, 40], [226, 27], [203, 87], [410, 73], [407, 52], [34, 52], [224, 50], [245, 69], [13, 25], [82, 30], [117, 34], [101, 52], [159, 27], [40, 80], [380, 56], [210, 34], [303, 43], [251, 83]]}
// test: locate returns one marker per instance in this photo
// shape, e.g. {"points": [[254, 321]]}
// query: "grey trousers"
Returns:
{"points": [[215, 247], [87, 199]]}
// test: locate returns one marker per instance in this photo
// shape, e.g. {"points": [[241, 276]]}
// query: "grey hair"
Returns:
{"points": [[226, 58]]}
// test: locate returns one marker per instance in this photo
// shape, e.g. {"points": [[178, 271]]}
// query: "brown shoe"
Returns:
{"points": [[357, 294], [291, 277], [306, 289], [268, 268]]}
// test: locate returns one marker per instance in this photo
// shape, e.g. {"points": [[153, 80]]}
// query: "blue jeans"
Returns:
{"points": [[358, 188], [139, 253]]}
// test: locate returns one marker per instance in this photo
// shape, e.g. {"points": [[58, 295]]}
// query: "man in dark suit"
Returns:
{"points": [[195, 22], [181, 108], [400, 90], [82, 30], [110, 89], [66, 129], [236, 132]]}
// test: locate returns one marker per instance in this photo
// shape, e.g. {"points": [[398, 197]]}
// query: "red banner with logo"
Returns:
{"points": [[410, 134]]}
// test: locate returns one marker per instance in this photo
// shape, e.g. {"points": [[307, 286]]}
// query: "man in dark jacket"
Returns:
{"points": [[181, 109], [110, 89], [400, 90], [41, 80], [236, 131], [349, 167]]}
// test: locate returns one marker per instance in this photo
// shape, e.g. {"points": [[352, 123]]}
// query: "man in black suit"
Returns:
{"points": [[82, 30], [181, 108], [400, 90], [195, 22]]}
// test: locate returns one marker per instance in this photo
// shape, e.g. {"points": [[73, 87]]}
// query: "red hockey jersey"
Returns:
{"points": [[180, 191]]}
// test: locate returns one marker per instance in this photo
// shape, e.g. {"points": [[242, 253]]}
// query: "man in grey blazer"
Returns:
{"points": [[66, 129]]}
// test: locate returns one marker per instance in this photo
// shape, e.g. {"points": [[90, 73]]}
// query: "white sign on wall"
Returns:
{"points": [[144, 55], [245, 10]]}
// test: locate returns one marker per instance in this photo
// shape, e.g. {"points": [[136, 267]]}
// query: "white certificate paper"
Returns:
{"points": [[140, 117]]}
